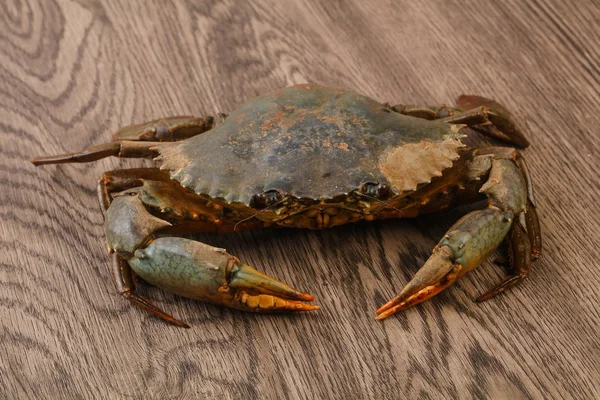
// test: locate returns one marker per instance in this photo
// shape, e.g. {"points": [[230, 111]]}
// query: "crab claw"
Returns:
{"points": [[466, 245], [437, 274], [199, 271]]}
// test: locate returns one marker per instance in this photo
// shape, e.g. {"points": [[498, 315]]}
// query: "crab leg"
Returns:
{"points": [[498, 122], [123, 276], [138, 141], [123, 179], [182, 266], [168, 129], [473, 238], [519, 255], [124, 280], [501, 124], [474, 116], [533, 231], [531, 218], [425, 112], [124, 149]]}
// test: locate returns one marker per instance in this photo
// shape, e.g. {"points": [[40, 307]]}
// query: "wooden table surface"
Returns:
{"points": [[72, 72]]}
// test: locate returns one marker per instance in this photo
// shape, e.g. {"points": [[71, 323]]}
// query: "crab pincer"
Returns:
{"points": [[473, 238], [466, 245], [199, 271], [185, 267]]}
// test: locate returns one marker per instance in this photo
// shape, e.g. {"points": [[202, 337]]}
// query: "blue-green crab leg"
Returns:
{"points": [[474, 237], [182, 266], [122, 274], [466, 245]]}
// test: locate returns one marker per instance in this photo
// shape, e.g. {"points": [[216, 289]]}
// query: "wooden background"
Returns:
{"points": [[71, 72]]}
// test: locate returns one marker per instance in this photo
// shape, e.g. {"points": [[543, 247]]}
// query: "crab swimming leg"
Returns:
{"points": [[137, 141], [500, 125], [475, 236], [481, 114]]}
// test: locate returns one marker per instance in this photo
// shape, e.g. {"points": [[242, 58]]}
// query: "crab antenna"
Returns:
{"points": [[385, 203], [264, 209]]}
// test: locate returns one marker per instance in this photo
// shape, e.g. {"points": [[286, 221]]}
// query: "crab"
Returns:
{"points": [[314, 157]]}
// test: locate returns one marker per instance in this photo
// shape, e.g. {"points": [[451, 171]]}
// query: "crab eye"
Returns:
{"points": [[374, 189], [266, 199]]}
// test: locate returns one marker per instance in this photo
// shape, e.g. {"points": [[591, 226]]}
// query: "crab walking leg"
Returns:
{"points": [[425, 112], [498, 122], [472, 117], [125, 284], [533, 231], [531, 218], [519, 257], [169, 129], [471, 240], [122, 149], [501, 122], [137, 141]]}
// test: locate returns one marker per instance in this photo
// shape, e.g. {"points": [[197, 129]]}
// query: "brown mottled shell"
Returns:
{"points": [[314, 142]]}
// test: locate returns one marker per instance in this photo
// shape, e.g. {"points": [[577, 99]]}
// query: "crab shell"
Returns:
{"points": [[311, 142]]}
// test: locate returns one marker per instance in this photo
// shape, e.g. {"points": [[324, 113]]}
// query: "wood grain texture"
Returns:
{"points": [[71, 72]]}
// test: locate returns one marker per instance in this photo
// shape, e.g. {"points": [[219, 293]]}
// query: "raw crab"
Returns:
{"points": [[309, 157]]}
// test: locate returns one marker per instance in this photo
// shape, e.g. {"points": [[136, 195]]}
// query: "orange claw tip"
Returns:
{"points": [[383, 315], [391, 308], [245, 277], [387, 305], [306, 297], [308, 307]]}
